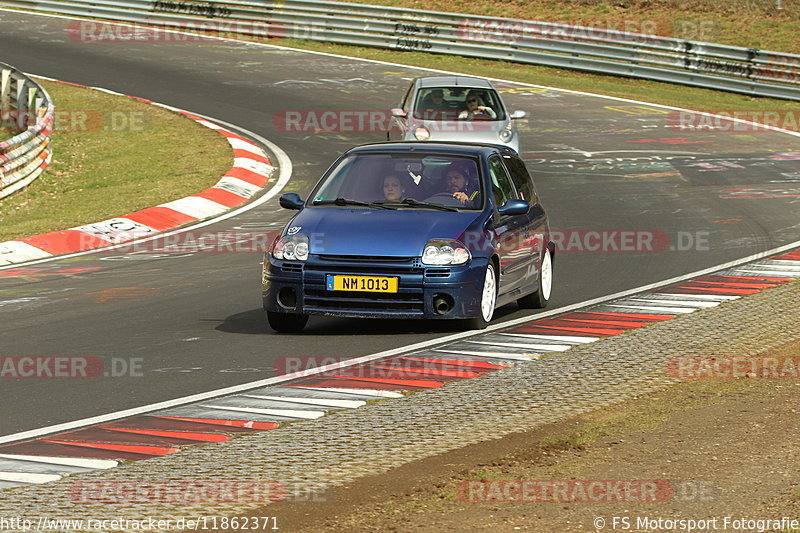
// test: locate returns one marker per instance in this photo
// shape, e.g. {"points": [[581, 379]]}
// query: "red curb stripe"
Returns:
{"points": [[619, 323], [47, 449], [64, 242], [162, 424], [160, 218], [644, 317], [221, 196], [253, 178], [458, 362], [322, 384], [340, 382], [145, 100], [141, 450], [543, 331], [231, 135], [247, 154], [585, 331], [791, 256], [184, 435], [249, 425], [191, 116], [756, 278], [99, 435], [733, 284], [371, 371], [562, 322], [459, 374], [716, 290]]}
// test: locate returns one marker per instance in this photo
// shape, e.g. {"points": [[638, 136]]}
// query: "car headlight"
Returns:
{"points": [[506, 135], [445, 252], [291, 248], [422, 134]]}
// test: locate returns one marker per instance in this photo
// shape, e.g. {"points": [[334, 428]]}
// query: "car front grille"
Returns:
{"points": [[319, 297], [409, 298]]}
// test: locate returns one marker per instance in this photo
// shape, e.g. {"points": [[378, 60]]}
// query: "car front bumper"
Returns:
{"points": [[432, 292]]}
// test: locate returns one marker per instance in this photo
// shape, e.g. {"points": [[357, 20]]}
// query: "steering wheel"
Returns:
{"points": [[444, 198]]}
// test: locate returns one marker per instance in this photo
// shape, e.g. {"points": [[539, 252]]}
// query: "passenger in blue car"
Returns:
{"points": [[458, 185], [393, 189]]}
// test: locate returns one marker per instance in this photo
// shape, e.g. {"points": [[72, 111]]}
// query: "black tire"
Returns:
{"points": [[540, 298], [286, 322], [488, 300]]}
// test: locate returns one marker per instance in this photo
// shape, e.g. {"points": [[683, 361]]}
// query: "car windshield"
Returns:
{"points": [[401, 181], [443, 104]]}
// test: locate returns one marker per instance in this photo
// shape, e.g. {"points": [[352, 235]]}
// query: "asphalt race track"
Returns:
{"points": [[177, 324]]}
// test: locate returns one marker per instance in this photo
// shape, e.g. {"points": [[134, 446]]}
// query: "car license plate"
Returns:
{"points": [[361, 283]]}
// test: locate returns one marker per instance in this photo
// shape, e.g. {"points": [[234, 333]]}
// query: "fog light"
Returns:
{"points": [[287, 298]]}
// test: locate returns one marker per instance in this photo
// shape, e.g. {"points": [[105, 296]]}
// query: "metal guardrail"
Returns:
{"points": [[25, 106], [695, 63]]}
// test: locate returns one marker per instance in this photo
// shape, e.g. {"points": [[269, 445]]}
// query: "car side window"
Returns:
{"points": [[502, 187], [406, 103], [521, 178]]}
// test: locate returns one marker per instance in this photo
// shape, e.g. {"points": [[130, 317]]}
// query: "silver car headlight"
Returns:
{"points": [[506, 134], [422, 134], [291, 248], [445, 252]]}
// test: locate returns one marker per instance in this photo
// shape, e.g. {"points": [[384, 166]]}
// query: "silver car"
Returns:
{"points": [[454, 108]]}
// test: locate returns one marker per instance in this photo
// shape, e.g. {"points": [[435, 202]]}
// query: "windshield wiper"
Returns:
{"points": [[415, 203], [347, 201]]}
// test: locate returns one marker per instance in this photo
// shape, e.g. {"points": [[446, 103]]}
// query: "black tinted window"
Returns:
{"points": [[521, 178], [502, 188]]}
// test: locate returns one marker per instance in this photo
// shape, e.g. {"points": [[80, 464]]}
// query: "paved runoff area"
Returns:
{"points": [[305, 457]]}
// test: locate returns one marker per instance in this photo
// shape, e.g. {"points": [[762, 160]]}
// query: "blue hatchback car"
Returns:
{"points": [[412, 230]]}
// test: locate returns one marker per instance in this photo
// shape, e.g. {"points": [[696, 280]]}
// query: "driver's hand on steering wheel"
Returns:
{"points": [[461, 197]]}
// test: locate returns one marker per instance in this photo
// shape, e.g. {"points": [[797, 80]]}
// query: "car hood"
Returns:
{"points": [[378, 232], [462, 130]]}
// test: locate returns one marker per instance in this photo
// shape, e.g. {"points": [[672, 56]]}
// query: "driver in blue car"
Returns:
{"points": [[458, 184]]}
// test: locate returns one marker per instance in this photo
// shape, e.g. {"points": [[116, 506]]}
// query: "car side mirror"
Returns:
{"points": [[397, 112], [514, 207], [518, 114], [291, 200]]}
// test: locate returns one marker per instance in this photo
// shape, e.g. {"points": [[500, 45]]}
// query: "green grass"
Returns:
{"points": [[113, 155]]}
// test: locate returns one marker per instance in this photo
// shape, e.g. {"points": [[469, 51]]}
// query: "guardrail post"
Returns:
{"points": [[22, 104], [5, 90], [32, 107]]}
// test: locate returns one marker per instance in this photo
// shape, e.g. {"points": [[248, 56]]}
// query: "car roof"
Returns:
{"points": [[454, 81], [451, 148]]}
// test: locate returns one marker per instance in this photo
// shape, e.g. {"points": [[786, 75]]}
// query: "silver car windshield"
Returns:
{"points": [[404, 181], [444, 104]]}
